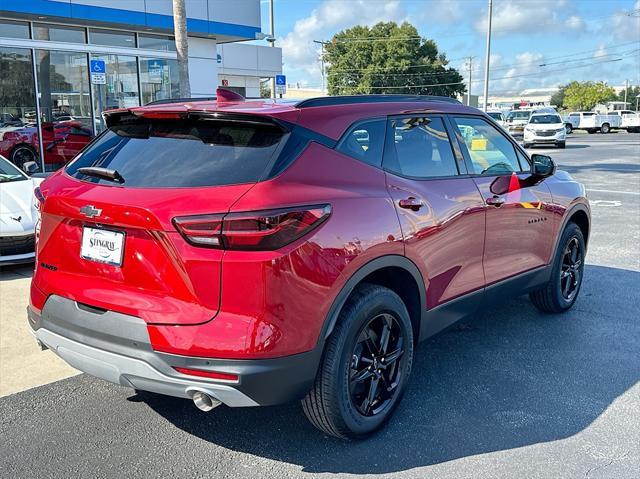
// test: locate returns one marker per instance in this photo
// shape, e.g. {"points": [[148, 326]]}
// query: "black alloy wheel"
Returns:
{"points": [[365, 366], [22, 154], [571, 269], [376, 369], [561, 291]]}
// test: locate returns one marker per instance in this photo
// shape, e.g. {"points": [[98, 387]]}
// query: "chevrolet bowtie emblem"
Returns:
{"points": [[90, 211]]}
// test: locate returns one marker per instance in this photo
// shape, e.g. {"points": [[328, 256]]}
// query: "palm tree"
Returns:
{"points": [[182, 46]]}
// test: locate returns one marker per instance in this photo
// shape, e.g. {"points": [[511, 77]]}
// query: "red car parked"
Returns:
{"points": [[251, 253], [61, 140]]}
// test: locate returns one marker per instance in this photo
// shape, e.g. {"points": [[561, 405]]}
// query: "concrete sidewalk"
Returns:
{"points": [[22, 364]]}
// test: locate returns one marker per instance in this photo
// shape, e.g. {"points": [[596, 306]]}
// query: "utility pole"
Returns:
{"points": [[470, 67], [322, 44], [272, 40], [182, 46], [626, 89], [487, 58]]}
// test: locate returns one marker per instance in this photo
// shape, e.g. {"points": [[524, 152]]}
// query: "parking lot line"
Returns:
{"points": [[620, 192]]}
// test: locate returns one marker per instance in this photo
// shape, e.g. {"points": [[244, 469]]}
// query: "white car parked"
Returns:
{"points": [[18, 214], [498, 117], [545, 128]]}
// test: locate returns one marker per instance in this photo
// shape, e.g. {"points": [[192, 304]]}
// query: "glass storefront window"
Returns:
{"points": [[65, 106], [18, 128], [157, 42], [159, 79], [58, 33], [112, 38], [121, 90], [11, 29]]}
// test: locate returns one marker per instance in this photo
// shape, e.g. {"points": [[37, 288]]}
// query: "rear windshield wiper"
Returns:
{"points": [[102, 173]]}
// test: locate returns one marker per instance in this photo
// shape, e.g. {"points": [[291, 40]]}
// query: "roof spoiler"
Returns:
{"points": [[224, 95]]}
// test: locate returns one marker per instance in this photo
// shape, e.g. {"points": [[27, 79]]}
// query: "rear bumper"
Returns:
{"points": [[115, 347]]}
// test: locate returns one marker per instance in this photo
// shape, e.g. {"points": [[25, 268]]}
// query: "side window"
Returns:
{"points": [[491, 152], [421, 148], [364, 141], [524, 162]]}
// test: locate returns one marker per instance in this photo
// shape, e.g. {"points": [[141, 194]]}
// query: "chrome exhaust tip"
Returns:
{"points": [[204, 402]]}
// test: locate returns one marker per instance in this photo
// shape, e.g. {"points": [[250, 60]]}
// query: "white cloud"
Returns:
{"points": [[298, 49], [533, 16], [624, 26]]}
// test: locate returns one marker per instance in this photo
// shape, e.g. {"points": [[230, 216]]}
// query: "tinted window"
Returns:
{"points": [[496, 116], [112, 38], [518, 115], [421, 148], [157, 42], [58, 33], [364, 141], [186, 154], [9, 172], [490, 151], [11, 29]]}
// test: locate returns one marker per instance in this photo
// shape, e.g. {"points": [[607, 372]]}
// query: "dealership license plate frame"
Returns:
{"points": [[89, 255]]}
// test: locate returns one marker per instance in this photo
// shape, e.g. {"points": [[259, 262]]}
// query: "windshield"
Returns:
{"points": [[545, 119], [190, 153], [495, 115], [518, 115], [9, 172]]}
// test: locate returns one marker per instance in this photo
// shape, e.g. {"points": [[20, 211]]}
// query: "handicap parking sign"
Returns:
{"points": [[98, 66], [98, 70], [281, 84]]}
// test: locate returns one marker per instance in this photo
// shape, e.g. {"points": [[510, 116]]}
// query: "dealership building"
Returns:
{"points": [[64, 62]]}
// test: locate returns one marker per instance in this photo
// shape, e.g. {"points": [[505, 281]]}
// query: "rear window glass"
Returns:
{"points": [[157, 154]]}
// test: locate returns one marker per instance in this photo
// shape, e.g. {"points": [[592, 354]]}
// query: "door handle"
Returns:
{"points": [[411, 203], [495, 200]]}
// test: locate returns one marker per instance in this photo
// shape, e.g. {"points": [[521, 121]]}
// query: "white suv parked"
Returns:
{"points": [[545, 128]]}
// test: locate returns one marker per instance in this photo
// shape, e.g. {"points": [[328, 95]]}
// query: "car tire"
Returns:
{"points": [[22, 154], [591, 131], [568, 128], [560, 293], [339, 404], [562, 145], [605, 128]]}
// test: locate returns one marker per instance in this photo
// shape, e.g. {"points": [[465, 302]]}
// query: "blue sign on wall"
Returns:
{"points": [[98, 66]]}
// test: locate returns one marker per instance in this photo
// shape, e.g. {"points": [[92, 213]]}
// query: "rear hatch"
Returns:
{"points": [[110, 242]]}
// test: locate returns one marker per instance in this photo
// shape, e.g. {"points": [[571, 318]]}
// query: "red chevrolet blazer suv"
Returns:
{"points": [[254, 252]]}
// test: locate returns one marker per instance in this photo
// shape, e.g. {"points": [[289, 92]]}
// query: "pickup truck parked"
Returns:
{"points": [[591, 122], [629, 120]]}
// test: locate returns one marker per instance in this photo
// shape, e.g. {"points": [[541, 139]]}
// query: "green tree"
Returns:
{"points": [[586, 95], [632, 94], [388, 58], [557, 99], [265, 88]]}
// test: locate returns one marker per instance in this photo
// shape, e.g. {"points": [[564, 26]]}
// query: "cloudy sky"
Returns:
{"points": [[573, 39]]}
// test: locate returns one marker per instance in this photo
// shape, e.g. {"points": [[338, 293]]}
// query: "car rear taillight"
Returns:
{"points": [[252, 231]]}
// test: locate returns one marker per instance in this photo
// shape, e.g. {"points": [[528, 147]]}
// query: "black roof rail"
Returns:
{"points": [[180, 100], [350, 99]]}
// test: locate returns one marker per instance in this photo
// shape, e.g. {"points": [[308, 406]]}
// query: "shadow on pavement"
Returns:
{"points": [[606, 168], [510, 378], [9, 272]]}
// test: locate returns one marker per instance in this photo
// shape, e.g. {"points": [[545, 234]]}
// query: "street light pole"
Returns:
{"points": [[322, 44], [469, 89], [272, 41], [488, 56], [626, 89]]}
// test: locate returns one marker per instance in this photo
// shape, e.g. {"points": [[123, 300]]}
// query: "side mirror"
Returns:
{"points": [[30, 167], [542, 166]]}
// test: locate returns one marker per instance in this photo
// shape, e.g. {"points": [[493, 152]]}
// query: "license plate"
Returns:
{"points": [[103, 246]]}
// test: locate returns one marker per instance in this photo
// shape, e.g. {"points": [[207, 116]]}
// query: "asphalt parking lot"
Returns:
{"points": [[511, 393]]}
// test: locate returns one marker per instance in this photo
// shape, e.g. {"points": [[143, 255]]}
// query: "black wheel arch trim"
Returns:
{"points": [[356, 278], [567, 217]]}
